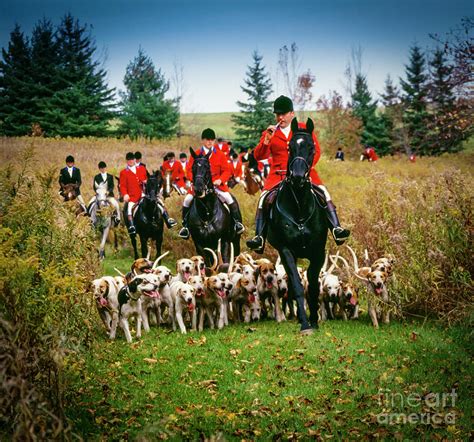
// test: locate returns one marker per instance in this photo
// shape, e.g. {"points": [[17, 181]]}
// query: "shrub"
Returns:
{"points": [[47, 259], [427, 225]]}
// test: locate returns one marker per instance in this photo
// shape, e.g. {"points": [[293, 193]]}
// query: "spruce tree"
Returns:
{"points": [[15, 81], [415, 114], [446, 134], [82, 104], [256, 114], [375, 132], [44, 69], [145, 110], [391, 115]]}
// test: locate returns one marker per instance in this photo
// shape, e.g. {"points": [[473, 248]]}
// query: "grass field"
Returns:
{"points": [[265, 382]]}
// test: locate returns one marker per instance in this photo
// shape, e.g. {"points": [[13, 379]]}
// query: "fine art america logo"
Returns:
{"points": [[429, 409]]}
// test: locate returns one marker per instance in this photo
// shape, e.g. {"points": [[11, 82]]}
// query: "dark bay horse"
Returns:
{"points": [[297, 227], [148, 218], [208, 219], [70, 192]]}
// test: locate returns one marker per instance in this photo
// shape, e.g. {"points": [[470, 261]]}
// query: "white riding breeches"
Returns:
{"points": [[131, 204], [225, 197], [325, 191]]}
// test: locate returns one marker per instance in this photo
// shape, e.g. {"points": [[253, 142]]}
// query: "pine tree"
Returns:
{"points": [[447, 134], [44, 69], [145, 110], [415, 115], [15, 79], [375, 132], [391, 115], [82, 104], [256, 114]]}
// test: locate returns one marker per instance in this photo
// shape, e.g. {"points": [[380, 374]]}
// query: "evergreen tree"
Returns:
{"points": [[82, 104], [415, 115], [256, 114], [447, 134], [44, 69], [375, 132], [15, 80], [391, 115], [145, 110]]}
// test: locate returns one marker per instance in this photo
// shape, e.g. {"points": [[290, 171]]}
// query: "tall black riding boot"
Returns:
{"points": [[184, 232], [339, 234], [237, 216], [131, 226], [170, 222], [257, 242]]}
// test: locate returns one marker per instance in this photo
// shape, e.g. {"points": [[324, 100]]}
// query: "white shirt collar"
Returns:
{"points": [[104, 176], [133, 169], [286, 130]]}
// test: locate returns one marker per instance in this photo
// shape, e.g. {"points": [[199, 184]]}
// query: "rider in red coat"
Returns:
{"points": [[220, 172], [223, 147], [177, 172], [236, 169], [274, 142], [132, 184]]}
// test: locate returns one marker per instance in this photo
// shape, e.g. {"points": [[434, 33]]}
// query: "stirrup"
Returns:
{"points": [[171, 222], [255, 243], [184, 233], [132, 230], [340, 235], [239, 227]]}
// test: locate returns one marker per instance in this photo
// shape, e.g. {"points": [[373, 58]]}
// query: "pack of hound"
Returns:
{"points": [[192, 296]]}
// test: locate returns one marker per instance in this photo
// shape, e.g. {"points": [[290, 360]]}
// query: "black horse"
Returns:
{"points": [[148, 218], [208, 219], [297, 227]]}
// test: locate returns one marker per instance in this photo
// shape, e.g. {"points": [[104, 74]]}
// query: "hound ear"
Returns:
{"points": [[257, 273], [193, 154], [294, 125], [309, 125], [134, 284]]}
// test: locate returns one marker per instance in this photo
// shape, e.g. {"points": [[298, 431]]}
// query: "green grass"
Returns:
{"points": [[266, 381]]}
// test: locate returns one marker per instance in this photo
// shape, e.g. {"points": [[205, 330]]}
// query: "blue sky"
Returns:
{"points": [[213, 41]]}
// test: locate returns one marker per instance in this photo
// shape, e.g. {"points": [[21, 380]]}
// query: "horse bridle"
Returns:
{"points": [[300, 158], [207, 189], [148, 196]]}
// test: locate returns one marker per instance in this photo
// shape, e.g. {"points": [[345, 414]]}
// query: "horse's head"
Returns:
{"points": [[301, 152], [202, 178], [101, 195], [153, 186], [69, 191]]}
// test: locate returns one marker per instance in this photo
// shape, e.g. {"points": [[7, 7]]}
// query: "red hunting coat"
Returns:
{"points": [[224, 149], [237, 170], [370, 154], [132, 184], [219, 168], [278, 150], [177, 172]]}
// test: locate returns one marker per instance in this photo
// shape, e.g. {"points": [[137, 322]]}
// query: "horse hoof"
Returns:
{"points": [[306, 332]]}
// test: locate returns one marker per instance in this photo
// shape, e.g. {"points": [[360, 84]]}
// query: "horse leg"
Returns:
{"points": [[133, 239], [294, 282], [313, 289], [144, 245], [105, 234], [158, 242]]}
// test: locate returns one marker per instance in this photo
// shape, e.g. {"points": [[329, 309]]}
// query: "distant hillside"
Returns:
{"points": [[193, 124]]}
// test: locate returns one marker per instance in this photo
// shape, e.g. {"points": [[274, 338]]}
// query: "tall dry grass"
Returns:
{"points": [[47, 260], [420, 212]]}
